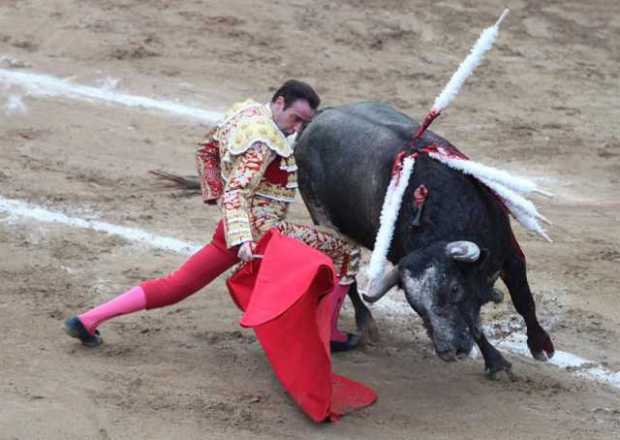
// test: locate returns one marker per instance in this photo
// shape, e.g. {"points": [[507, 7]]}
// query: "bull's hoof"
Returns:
{"points": [[495, 364], [541, 347], [353, 341], [496, 371], [368, 329]]}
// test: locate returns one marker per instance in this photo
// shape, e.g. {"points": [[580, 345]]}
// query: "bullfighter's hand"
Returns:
{"points": [[246, 251]]}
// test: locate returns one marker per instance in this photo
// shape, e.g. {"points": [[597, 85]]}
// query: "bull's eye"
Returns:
{"points": [[456, 294]]}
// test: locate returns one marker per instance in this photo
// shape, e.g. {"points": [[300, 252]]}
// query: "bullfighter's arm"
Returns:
{"points": [[245, 175]]}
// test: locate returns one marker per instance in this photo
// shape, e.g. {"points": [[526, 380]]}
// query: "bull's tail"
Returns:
{"points": [[175, 181]]}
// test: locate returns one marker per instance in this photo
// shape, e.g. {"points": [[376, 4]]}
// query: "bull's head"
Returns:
{"points": [[443, 284]]}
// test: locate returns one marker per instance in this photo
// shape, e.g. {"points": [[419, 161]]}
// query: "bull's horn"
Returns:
{"points": [[375, 293], [467, 251]]}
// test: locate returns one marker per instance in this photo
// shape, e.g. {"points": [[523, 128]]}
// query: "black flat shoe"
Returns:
{"points": [[75, 328]]}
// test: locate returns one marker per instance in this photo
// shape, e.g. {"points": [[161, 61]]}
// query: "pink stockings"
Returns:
{"points": [[338, 295], [128, 302], [198, 271]]}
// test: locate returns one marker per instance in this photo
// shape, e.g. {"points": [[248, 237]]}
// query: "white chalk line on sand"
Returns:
{"points": [[21, 209], [579, 366], [40, 85], [18, 209]]}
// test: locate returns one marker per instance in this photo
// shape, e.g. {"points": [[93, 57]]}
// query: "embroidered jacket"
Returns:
{"points": [[247, 165]]}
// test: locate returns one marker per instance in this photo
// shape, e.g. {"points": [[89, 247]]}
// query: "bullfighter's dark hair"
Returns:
{"points": [[292, 90]]}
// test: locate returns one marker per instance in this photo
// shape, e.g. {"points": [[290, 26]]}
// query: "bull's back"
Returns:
{"points": [[345, 158]]}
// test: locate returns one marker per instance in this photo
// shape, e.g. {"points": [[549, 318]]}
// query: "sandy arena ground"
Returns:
{"points": [[544, 104]]}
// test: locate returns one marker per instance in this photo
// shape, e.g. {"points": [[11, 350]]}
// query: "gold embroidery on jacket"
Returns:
{"points": [[249, 141]]}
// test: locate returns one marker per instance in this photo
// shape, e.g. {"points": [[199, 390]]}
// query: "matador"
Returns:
{"points": [[247, 167]]}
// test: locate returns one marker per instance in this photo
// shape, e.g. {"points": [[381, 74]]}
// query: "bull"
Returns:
{"points": [[447, 254]]}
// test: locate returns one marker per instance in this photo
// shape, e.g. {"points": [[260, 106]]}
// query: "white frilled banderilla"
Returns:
{"points": [[510, 189]]}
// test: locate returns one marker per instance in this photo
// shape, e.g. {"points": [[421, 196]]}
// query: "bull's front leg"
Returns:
{"points": [[365, 323], [494, 362], [515, 277]]}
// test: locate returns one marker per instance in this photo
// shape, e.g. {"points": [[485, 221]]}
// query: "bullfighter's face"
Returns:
{"points": [[293, 118]]}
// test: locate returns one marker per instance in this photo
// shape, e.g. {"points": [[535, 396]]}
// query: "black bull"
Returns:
{"points": [[447, 257], [345, 157]]}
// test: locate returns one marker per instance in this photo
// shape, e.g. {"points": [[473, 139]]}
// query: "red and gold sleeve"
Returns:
{"points": [[246, 173], [209, 170]]}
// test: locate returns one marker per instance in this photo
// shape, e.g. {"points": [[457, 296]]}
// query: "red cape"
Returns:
{"points": [[286, 302]]}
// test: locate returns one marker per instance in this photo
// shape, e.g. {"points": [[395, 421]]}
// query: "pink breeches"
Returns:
{"points": [[198, 271]]}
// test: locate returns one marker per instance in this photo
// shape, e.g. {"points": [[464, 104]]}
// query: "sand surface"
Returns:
{"points": [[545, 104]]}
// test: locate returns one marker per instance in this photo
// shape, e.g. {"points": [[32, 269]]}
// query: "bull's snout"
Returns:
{"points": [[452, 349]]}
